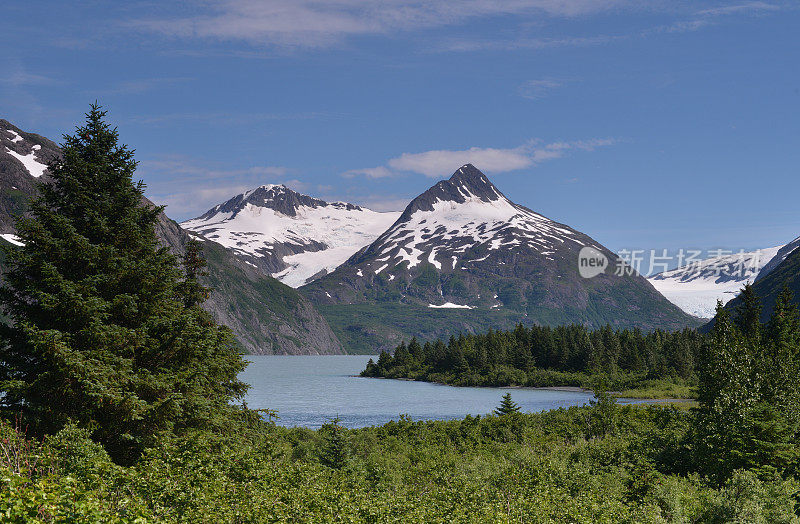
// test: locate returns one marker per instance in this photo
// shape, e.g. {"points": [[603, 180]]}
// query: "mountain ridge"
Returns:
{"points": [[463, 246], [293, 237]]}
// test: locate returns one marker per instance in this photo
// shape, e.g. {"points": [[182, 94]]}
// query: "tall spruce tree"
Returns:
{"points": [[507, 406], [107, 329], [748, 314]]}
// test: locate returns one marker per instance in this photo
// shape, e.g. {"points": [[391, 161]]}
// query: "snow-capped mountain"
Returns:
{"points": [[465, 247], [696, 287], [293, 237], [23, 160]]}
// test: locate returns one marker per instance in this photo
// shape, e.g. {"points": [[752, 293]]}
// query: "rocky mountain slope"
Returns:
{"points": [[463, 257], [696, 287], [266, 317], [23, 160], [291, 236]]}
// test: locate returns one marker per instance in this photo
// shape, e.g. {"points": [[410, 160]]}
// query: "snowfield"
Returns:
{"points": [[697, 287], [322, 236]]}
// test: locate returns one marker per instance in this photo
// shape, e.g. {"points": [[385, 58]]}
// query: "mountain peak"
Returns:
{"points": [[277, 197], [467, 183]]}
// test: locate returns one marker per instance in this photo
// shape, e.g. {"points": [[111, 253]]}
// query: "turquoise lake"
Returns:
{"points": [[312, 390]]}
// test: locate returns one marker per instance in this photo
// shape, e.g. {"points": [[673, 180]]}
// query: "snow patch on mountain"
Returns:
{"points": [[34, 167], [306, 235], [449, 305], [17, 136], [442, 230], [11, 239], [696, 287]]}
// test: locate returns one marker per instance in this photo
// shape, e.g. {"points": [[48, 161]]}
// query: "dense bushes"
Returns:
{"points": [[517, 467]]}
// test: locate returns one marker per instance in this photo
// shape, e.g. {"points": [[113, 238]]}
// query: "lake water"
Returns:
{"points": [[311, 390]]}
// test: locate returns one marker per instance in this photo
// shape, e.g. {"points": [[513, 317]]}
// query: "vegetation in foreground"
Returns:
{"points": [[625, 464], [117, 393]]}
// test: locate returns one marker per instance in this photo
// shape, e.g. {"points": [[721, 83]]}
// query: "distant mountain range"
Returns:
{"points": [[265, 315], [293, 237], [696, 287], [464, 257]]}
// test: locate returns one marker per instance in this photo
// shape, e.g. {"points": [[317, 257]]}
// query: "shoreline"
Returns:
{"points": [[566, 389]]}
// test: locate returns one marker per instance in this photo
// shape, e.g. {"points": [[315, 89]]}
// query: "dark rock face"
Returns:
{"points": [[277, 197], [266, 317], [777, 260], [467, 182], [465, 252], [16, 183]]}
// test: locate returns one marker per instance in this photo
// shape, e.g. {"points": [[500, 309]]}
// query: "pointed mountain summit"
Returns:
{"points": [[290, 236], [464, 257], [468, 183]]}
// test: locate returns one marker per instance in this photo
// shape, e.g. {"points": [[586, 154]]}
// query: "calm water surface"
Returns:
{"points": [[311, 390]]}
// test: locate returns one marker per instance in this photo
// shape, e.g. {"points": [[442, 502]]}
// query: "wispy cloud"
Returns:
{"points": [[19, 78], [442, 162], [535, 89], [316, 23], [370, 172], [189, 187], [143, 85], [709, 17], [227, 118], [472, 44], [738, 8]]}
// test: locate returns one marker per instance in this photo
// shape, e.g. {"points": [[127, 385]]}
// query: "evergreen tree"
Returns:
{"points": [[603, 415], [748, 313], [507, 406], [333, 452], [107, 330]]}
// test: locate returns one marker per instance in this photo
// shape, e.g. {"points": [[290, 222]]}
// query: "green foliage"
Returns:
{"points": [[603, 413], [507, 406], [748, 393], [107, 330], [333, 451], [541, 467], [540, 356]]}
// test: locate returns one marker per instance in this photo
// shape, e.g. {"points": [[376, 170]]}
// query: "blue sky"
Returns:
{"points": [[660, 124]]}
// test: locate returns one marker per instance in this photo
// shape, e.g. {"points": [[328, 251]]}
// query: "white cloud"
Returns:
{"points": [[143, 85], [443, 162], [189, 188], [226, 118], [472, 44], [383, 203], [315, 23], [21, 78], [738, 8], [370, 172]]}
